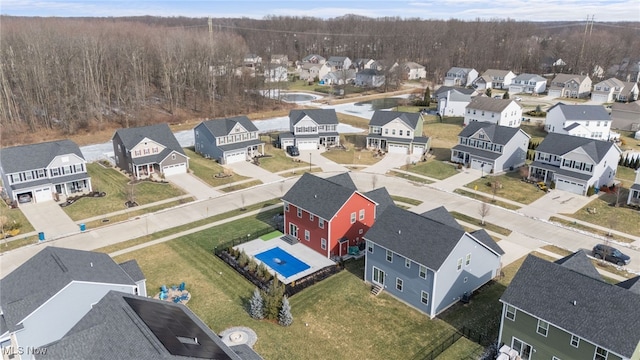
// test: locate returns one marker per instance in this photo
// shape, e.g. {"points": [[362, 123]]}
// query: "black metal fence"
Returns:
{"points": [[241, 240], [433, 351]]}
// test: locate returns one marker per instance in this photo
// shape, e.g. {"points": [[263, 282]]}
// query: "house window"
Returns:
{"points": [[575, 341], [323, 243], [459, 264], [320, 223], [543, 328], [399, 284], [408, 133], [407, 263], [400, 132], [386, 131], [467, 261], [147, 151], [173, 156], [286, 207], [393, 131], [370, 247], [299, 213], [422, 272], [310, 217], [424, 297], [510, 313], [307, 235], [137, 152], [360, 232], [353, 217], [601, 354], [389, 256], [361, 215]]}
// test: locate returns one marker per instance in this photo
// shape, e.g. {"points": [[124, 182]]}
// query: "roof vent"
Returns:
{"points": [[315, 196], [399, 232], [91, 263], [575, 303]]}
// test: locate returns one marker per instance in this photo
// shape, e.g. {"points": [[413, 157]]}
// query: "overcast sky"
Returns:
{"points": [[532, 10]]}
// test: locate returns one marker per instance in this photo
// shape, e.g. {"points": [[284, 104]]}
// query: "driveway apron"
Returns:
{"points": [[194, 186], [248, 169], [48, 217]]}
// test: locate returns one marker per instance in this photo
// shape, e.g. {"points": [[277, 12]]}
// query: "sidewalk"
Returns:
{"points": [[636, 239]]}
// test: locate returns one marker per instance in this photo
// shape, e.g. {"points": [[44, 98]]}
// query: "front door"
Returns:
{"points": [[522, 348], [293, 230], [378, 276]]}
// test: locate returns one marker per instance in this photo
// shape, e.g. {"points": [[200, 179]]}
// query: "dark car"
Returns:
{"points": [[611, 254], [293, 150]]}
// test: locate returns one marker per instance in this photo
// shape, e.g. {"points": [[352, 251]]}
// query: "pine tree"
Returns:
{"points": [[285, 318], [256, 305], [427, 96], [273, 299], [488, 92], [506, 95]]}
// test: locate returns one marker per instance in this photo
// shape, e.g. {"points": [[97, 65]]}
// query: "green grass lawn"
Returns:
{"points": [[278, 159], [14, 219], [432, 168], [478, 222], [406, 200], [299, 172], [410, 177], [355, 152], [626, 175], [444, 135], [487, 198], [133, 213], [240, 186], [536, 132], [512, 188], [621, 218], [114, 183], [8, 245], [271, 235], [207, 169]]}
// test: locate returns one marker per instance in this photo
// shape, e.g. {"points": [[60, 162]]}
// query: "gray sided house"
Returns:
{"points": [[228, 140], [147, 150], [311, 128], [397, 132], [428, 261], [457, 76], [634, 191], [48, 294], [490, 147], [626, 116], [570, 86], [575, 163], [564, 310], [40, 172], [370, 78]]}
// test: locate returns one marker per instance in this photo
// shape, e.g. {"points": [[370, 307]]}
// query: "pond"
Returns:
{"points": [[297, 97], [380, 104]]}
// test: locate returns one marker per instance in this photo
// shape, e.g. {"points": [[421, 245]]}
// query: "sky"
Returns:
{"points": [[522, 10]]}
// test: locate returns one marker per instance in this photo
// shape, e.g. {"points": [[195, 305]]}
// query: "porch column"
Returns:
{"points": [[88, 184], [66, 189]]}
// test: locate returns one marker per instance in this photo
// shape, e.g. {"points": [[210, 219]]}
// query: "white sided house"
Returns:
{"points": [[612, 89], [503, 112], [457, 76], [453, 101], [528, 84], [397, 132], [634, 191], [590, 121], [494, 79]]}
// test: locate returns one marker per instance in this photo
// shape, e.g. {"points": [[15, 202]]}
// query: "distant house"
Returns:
{"points": [[490, 147], [397, 132], [528, 84], [370, 78], [626, 70], [570, 86], [614, 90], [46, 296], [428, 261], [314, 59], [414, 71], [339, 62], [143, 151], [275, 73], [252, 60], [362, 63], [494, 79], [328, 224], [626, 116], [228, 140], [280, 59], [311, 128], [453, 101], [337, 77], [590, 121], [503, 112], [309, 71], [555, 310], [634, 191], [38, 172], [457, 76], [575, 163]]}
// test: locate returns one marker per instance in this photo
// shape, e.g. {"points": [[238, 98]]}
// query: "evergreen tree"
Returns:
{"points": [[256, 305], [285, 318], [273, 299], [506, 95], [626, 161], [621, 160], [427, 96], [488, 92]]}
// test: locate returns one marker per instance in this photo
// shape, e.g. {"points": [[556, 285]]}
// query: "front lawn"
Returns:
{"points": [[210, 171], [621, 218], [478, 223], [412, 178], [355, 152], [14, 220], [512, 187], [406, 200], [432, 168], [486, 198], [278, 159], [114, 184]]}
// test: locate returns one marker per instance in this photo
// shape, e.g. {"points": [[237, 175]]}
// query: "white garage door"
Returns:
{"points": [[174, 169], [570, 186], [235, 157], [481, 165], [307, 144], [43, 194], [599, 98], [398, 149], [418, 150]]}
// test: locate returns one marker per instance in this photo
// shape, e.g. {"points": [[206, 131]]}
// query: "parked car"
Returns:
{"points": [[611, 254], [24, 198], [293, 150], [517, 98]]}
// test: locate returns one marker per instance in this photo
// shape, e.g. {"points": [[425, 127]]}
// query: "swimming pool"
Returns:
{"points": [[282, 262]]}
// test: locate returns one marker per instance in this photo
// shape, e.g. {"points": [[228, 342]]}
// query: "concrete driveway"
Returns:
{"points": [[248, 169], [556, 202], [390, 161], [193, 185], [317, 159], [48, 217]]}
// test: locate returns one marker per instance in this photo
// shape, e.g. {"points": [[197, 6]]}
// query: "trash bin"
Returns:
{"points": [[83, 227], [41, 236]]}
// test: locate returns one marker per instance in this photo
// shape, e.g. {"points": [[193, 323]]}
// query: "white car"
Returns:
{"points": [[517, 98]]}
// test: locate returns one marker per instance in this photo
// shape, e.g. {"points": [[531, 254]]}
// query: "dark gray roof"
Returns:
{"points": [[632, 284], [483, 236], [223, 127], [55, 180], [35, 156], [444, 89], [485, 154], [496, 133], [132, 269], [318, 196], [381, 118], [561, 171], [635, 187], [582, 112], [459, 70], [528, 77], [343, 179], [245, 352], [320, 116], [382, 198], [240, 146], [47, 272], [572, 126], [441, 215], [420, 140], [549, 291], [370, 72], [579, 262], [116, 327], [560, 144], [491, 104], [160, 133]]}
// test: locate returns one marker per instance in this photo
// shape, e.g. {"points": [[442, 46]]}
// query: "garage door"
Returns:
{"points": [[478, 165], [570, 186], [307, 144], [43, 194], [599, 98], [418, 150], [235, 157], [174, 169], [398, 149]]}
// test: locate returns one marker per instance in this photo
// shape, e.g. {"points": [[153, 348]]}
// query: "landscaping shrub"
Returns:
{"points": [[243, 259], [273, 299], [284, 317], [256, 305], [591, 190]]}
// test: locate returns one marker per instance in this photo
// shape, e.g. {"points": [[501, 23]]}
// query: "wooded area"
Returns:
{"points": [[88, 73]]}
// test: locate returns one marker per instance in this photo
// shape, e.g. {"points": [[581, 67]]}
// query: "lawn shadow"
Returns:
{"points": [[441, 154], [356, 267]]}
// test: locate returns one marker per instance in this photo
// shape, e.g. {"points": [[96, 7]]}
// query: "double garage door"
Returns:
{"points": [[570, 186], [235, 157], [481, 165], [397, 149], [174, 169], [307, 144]]}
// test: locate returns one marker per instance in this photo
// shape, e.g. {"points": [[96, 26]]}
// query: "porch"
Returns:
{"points": [[72, 188], [330, 140], [146, 170], [376, 143]]}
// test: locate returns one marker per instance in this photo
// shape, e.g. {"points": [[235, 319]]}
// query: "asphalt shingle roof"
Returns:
{"points": [[343, 179], [528, 77], [35, 156], [320, 116], [497, 134], [560, 144], [490, 104], [160, 133], [632, 284], [132, 269], [579, 262], [549, 291], [223, 127], [382, 198], [381, 118], [319, 196], [444, 89], [483, 236], [441, 215], [582, 112]]}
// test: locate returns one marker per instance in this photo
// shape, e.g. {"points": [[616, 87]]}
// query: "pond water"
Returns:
{"points": [[297, 97], [380, 104]]}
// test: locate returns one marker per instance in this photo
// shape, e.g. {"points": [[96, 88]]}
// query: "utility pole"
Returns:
{"points": [[212, 67], [584, 41]]}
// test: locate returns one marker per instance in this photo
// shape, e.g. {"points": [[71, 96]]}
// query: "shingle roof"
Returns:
{"points": [[483, 236], [560, 144], [549, 291], [35, 156], [579, 262], [381, 118], [444, 89], [496, 73], [132, 269], [563, 78], [160, 133], [39, 278], [581, 112], [318, 196], [370, 72], [529, 77], [343, 179], [413, 65], [441, 215], [632, 284], [496, 133], [382, 198], [459, 70], [311, 56], [630, 107], [490, 104], [222, 127], [320, 116]]}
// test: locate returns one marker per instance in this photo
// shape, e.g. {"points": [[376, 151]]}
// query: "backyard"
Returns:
{"points": [[511, 187], [210, 171], [443, 134]]}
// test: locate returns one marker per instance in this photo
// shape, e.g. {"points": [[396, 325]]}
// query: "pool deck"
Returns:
{"points": [[299, 251]]}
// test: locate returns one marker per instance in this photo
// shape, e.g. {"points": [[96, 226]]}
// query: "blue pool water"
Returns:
{"points": [[282, 262]]}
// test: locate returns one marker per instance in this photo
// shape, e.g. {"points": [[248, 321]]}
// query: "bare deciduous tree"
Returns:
{"points": [[483, 210]]}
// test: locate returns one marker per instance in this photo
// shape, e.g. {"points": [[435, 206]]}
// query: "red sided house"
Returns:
{"points": [[329, 215]]}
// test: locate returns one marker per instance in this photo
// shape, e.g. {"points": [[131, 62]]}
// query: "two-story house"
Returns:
{"points": [[38, 172], [490, 147], [570, 86], [252, 60], [314, 59], [453, 101], [413, 71], [634, 191], [528, 84], [626, 116], [228, 140], [311, 128], [145, 150], [613, 89], [309, 71], [327, 215], [397, 132], [564, 310], [428, 261], [590, 121], [575, 163], [370, 78], [457, 76], [275, 73], [494, 79], [280, 59], [503, 112], [47, 295], [339, 62]]}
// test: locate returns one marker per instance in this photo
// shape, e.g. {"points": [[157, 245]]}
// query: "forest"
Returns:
{"points": [[73, 74]]}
